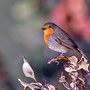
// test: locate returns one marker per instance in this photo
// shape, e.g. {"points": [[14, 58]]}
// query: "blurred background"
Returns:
{"points": [[21, 35]]}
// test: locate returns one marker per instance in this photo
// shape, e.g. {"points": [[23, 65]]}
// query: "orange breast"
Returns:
{"points": [[47, 33], [46, 39]]}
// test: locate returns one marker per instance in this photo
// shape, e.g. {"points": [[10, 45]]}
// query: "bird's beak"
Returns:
{"points": [[43, 29]]}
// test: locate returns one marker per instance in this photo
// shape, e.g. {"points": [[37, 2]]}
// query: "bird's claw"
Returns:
{"points": [[56, 60], [64, 58], [53, 61]]}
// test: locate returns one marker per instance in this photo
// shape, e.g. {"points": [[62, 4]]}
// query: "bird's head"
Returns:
{"points": [[49, 28]]}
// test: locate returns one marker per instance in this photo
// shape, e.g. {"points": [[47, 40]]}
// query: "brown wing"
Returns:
{"points": [[61, 42], [65, 39]]}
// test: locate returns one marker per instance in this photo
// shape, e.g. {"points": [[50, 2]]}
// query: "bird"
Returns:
{"points": [[58, 40]]}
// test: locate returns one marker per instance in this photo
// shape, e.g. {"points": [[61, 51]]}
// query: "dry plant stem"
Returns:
{"points": [[87, 81], [28, 72], [72, 67], [80, 83], [25, 88], [64, 82], [79, 61]]}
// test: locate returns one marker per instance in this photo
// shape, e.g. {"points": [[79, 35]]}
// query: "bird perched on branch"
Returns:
{"points": [[58, 40]]}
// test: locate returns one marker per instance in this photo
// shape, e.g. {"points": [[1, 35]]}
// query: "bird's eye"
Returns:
{"points": [[50, 27]]}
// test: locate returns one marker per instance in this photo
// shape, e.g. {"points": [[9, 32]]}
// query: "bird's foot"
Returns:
{"points": [[56, 60]]}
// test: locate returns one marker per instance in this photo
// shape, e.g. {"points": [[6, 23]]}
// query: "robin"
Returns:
{"points": [[58, 40]]}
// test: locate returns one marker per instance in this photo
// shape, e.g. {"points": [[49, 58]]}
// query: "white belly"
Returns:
{"points": [[58, 48]]}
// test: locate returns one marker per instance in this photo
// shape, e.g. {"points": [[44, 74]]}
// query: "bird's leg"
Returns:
{"points": [[61, 55]]}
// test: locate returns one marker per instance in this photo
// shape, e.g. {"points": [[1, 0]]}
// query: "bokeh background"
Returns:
{"points": [[21, 35]]}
